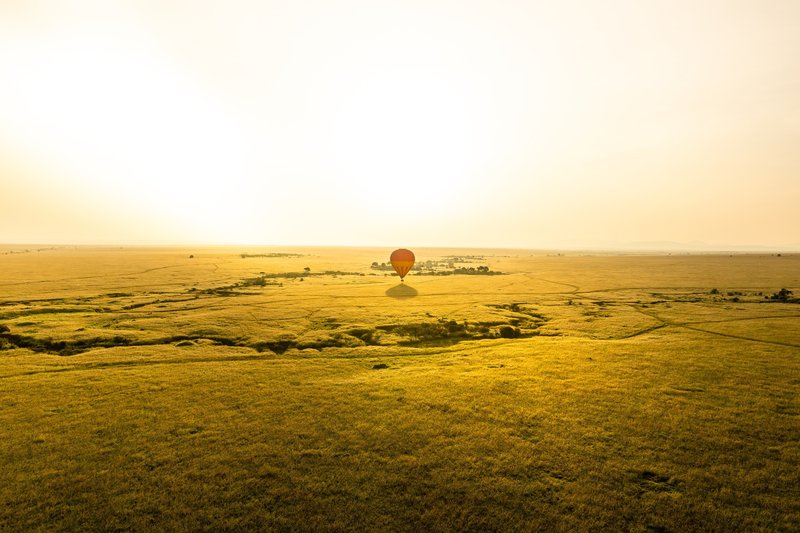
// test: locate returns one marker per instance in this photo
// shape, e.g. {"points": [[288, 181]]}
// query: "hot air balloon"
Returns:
{"points": [[402, 260]]}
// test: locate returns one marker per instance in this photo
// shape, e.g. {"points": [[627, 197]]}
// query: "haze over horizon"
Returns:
{"points": [[439, 123]]}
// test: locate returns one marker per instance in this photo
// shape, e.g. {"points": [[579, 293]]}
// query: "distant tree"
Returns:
{"points": [[307, 269], [714, 291], [782, 295]]}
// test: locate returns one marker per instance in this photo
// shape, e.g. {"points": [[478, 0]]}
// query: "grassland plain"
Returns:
{"points": [[301, 389]]}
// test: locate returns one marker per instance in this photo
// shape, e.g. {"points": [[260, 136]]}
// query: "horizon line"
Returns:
{"points": [[645, 247]]}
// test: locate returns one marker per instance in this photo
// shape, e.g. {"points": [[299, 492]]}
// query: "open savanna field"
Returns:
{"points": [[307, 389]]}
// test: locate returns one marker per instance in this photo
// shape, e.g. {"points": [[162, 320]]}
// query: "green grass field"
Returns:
{"points": [[234, 389]]}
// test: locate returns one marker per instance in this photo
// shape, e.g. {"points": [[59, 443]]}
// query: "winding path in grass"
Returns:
{"points": [[691, 326]]}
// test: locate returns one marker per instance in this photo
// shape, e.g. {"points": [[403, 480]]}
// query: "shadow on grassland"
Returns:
{"points": [[402, 291]]}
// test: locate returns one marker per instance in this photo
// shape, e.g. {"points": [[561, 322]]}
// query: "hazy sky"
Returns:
{"points": [[488, 123]]}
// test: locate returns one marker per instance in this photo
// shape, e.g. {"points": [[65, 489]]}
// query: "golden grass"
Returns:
{"points": [[634, 400]]}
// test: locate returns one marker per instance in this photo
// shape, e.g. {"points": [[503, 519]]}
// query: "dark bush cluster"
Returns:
{"points": [[451, 331], [783, 295], [278, 347], [509, 332], [473, 271], [430, 331], [366, 335], [61, 347], [441, 268]]}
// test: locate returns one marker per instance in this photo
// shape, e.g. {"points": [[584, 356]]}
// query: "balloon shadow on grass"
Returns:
{"points": [[402, 291]]}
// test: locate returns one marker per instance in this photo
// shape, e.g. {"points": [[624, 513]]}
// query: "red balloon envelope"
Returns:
{"points": [[402, 260]]}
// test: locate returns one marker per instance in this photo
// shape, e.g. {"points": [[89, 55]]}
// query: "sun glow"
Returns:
{"points": [[406, 134], [295, 122], [123, 126]]}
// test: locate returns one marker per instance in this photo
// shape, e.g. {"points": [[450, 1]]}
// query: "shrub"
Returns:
{"points": [[508, 332], [782, 295], [277, 347], [368, 336]]}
